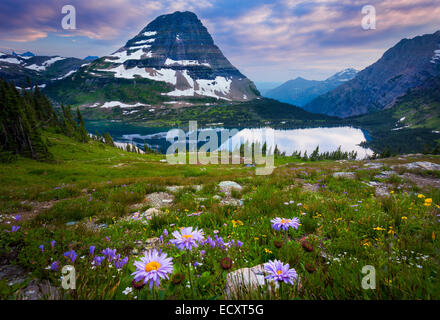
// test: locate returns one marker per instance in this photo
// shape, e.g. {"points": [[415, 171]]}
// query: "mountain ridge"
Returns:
{"points": [[404, 66], [300, 91]]}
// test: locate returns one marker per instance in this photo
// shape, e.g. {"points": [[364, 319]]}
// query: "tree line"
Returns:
{"points": [[25, 114]]}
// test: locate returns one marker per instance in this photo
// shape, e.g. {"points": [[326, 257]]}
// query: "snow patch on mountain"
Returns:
{"points": [[166, 75], [112, 104], [11, 60], [66, 75], [45, 64], [436, 57], [123, 56], [149, 33], [171, 62], [217, 88]]}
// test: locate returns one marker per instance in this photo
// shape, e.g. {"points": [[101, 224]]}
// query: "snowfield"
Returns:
{"points": [[171, 62], [45, 64], [123, 56], [122, 105], [209, 88], [166, 75]]}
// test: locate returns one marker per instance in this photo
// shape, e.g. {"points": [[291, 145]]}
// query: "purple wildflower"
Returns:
{"points": [[284, 224], [187, 238], [52, 243], [55, 266], [41, 248], [92, 250], [109, 253], [71, 255], [120, 263], [97, 260], [153, 267], [280, 272]]}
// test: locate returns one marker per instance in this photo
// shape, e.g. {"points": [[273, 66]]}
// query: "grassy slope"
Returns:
{"points": [[341, 216], [421, 109]]}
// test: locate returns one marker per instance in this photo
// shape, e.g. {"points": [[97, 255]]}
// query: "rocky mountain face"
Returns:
{"points": [[41, 70], [407, 65], [173, 57], [300, 91]]}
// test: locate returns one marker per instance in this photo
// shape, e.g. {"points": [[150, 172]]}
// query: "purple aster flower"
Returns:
{"points": [[202, 252], [92, 250], [71, 255], [55, 266], [280, 272], [153, 267], [165, 232], [239, 243], [41, 248], [284, 224], [17, 217], [187, 238], [97, 260], [196, 264], [52, 243]]}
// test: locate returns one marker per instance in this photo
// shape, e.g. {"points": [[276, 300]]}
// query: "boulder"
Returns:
{"points": [[228, 186]]}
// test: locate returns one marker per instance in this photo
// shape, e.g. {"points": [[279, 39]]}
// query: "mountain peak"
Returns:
{"points": [[176, 48], [343, 75]]}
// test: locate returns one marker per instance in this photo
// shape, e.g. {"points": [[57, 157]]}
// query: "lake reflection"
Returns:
{"points": [[288, 141]]}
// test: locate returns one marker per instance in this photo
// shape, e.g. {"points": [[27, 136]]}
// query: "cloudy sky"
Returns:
{"points": [[267, 40]]}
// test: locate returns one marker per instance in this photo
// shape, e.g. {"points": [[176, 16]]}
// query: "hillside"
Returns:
{"points": [[259, 112], [411, 125], [406, 65], [94, 198]]}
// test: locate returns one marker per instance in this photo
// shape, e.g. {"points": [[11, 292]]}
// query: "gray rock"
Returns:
{"points": [[174, 189], [159, 199], [374, 165], [385, 174], [347, 175], [244, 280], [424, 165], [228, 186]]}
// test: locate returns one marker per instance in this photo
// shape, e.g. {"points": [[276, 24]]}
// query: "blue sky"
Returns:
{"points": [[267, 40]]}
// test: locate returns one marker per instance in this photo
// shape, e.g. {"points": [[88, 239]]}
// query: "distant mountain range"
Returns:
{"points": [[408, 64], [40, 70], [300, 91]]}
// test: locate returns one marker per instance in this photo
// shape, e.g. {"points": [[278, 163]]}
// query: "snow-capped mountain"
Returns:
{"points": [[300, 91], [174, 56], [41, 70]]}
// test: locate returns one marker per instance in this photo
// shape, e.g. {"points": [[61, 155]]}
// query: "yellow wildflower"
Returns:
{"points": [[267, 250], [379, 229], [404, 218], [420, 196]]}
